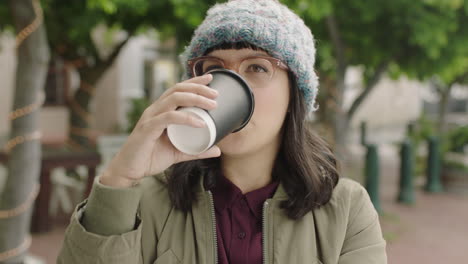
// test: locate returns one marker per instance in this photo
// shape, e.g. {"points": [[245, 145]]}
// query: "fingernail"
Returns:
{"points": [[214, 92], [213, 103]]}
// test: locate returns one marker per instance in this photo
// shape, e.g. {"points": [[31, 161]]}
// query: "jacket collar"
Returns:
{"points": [[280, 193]]}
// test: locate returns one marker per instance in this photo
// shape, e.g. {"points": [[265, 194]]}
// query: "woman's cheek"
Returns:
{"points": [[261, 101], [268, 106]]}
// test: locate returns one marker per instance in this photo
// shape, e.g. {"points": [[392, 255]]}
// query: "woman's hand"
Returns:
{"points": [[148, 150]]}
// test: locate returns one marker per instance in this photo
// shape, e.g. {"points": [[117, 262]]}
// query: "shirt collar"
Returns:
{"points": [[256, 198], [280, 193], [225, 193]]}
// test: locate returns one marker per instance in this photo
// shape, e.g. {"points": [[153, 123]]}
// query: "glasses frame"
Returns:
{"points": [[274, 61]]}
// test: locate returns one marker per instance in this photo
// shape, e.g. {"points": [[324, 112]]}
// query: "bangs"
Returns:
{"points": [[234, 45]]}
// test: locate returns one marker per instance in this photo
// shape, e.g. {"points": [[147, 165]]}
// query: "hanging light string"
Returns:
{"points": [[38, 20], [84, 115], [17, 251], [23, 207], [20, 112], [17, 113], [35, 135], [80, 111]]}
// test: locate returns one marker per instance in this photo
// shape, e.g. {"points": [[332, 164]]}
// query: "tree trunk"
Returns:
{"points": [[79, 108], [443, 105], [338, 117], [24, 159], [444, 93], [79, 105], [340, 126], [335, 105]]}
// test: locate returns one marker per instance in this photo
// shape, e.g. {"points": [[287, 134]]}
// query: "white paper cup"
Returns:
{"points": [[193, 140], [235, 107]]}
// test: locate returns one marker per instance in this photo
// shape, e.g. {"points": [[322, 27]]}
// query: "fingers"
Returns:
{"points": [[195, 88], [157, 124], [185, 99], [160, 122], [204, 79], [200, 81], [195, 85]]}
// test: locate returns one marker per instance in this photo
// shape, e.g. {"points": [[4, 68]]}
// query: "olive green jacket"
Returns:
{"points": [[138, 225]]}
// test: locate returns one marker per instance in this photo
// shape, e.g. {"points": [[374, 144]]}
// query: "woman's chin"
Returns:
{"points": [[233, 145]]}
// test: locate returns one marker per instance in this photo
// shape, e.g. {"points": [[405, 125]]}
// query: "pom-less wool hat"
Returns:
{"points": [[266, 24]]}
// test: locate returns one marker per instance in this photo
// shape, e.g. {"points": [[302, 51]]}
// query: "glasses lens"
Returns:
{"points": [[204, 65], [257, 71]]}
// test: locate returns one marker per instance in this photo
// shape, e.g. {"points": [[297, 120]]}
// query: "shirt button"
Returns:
{"points": [[241, 235]]}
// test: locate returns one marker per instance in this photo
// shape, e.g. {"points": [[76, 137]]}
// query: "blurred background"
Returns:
{"points": [[75, 77]]}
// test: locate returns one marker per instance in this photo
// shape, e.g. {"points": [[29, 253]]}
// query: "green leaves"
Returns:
{"points": [[70, 23], [443, 44], [431, 28], [419, 38], [312, 10], [5, 18], [192, 11], [107, 6], [112, 6]]}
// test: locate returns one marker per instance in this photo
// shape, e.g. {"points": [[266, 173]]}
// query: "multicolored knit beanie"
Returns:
{"points": [[267, 24]]}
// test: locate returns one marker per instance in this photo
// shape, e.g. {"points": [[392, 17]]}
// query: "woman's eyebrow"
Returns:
{"points": [[255, 55], [258, 54]]}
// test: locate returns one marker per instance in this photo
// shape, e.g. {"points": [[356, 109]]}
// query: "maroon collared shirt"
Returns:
{"points": [[239, 221]]}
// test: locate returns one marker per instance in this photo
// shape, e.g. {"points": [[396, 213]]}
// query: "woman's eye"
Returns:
{"points": [[257, 68]]}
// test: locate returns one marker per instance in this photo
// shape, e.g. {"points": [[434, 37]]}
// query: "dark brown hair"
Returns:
{"points": [[305, 164]]}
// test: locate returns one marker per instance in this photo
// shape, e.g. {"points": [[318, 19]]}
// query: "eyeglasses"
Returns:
{"points": [[258, 71]]}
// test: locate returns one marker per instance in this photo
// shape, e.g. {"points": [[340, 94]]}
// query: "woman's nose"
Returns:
{"points": [[232, 66]]}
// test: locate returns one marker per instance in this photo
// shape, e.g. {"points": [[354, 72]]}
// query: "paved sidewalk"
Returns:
{"points": [[47, 246], [432, 231]]}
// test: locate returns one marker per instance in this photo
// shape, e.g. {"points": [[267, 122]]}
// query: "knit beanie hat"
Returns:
{"points": [[267, 24]]}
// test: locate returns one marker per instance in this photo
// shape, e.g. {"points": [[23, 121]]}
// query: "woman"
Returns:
{"points": [[269, 193]]}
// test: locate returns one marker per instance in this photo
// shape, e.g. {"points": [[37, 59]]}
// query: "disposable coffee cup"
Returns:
{"points": [[236, 105]]}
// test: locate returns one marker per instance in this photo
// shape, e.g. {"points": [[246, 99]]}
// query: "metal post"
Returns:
{"points": [[433, 184], [406, 193], [372, 175], [363, 133], [410, 127]]}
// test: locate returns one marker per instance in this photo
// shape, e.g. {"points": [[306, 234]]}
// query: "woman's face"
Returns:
{"points": [[271, 105]]}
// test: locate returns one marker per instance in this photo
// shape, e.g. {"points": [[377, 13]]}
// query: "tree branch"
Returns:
{"points": [[437, 85], [461, 79], [95, 72], [381, 68], [338, 44], [115, 53]]}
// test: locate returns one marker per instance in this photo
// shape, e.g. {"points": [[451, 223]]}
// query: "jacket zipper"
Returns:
{"points": [[215, 238], [264, 232], [213, 225]]}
